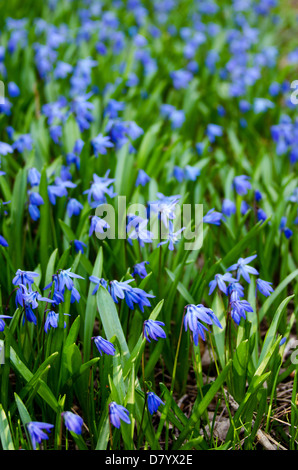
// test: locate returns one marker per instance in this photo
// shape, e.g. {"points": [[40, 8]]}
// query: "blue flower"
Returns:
{"points": [[13, 89], [142, 178], [34, 177], [261, 215], [213, 217], [195, 314], [100, 187], [113, 107], [2, 323], [239, 307], [117, 413], [213, 131], [262, 104], [24, 277], [264, 287], [3, 242], [243, 269], [98, 282], [100, 144], [140, 269], [98, 225], [241, 184], [172, 237], [137, 230], [52, 320], [228, 207], [152, 328], [132, 295], [5, 148], [79, 246], [165, 207], [219, 281], [73, 422], [74, 207], [36, 431], [181, 78], [103, 345], [153, 402]]}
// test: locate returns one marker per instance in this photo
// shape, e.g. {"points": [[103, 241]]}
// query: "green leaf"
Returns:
{"points": [[5, 434]]}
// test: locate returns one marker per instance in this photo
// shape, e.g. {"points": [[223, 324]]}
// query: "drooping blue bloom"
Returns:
{"points": [[191, 173], [132, 295], [219, 281], [100, 187], [100, 144], [99, 282], [153, 402], [172, 237], [5, 148], [194, 316], [23, 142], [103, 345], [140, 269], [285, 230], [152, 329], [73, 422], [98, 225], [213, 217], [239, 307], [181, 78], [165, 207], [55, 133], [79, 246], [117, 413], [243, 269], [2, 323], [35, 198], [242, 184], [261, 215], [264, 287], [24, 277], [62, 69], [36, 431], [113, 107], [228, 207], [52, 320], [74, 207], [142, 178], [261, 105], [34, 177], [213, 131], [3, 242], [13, 89], [137, 230]]}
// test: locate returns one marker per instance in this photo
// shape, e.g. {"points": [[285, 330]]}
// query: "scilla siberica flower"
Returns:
{"points": [[195, 314], [117, 413], [140, 269], [219, 280], [98, 225], [2, 323], [153, 402], [213, 217], [165, 207], [36, 431], [241, 184], [53, 320], [264, 287], [103, 345], [243, 269], [152, 328], [99, 282], [239, 307], [73, 422], [132, 295]]}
